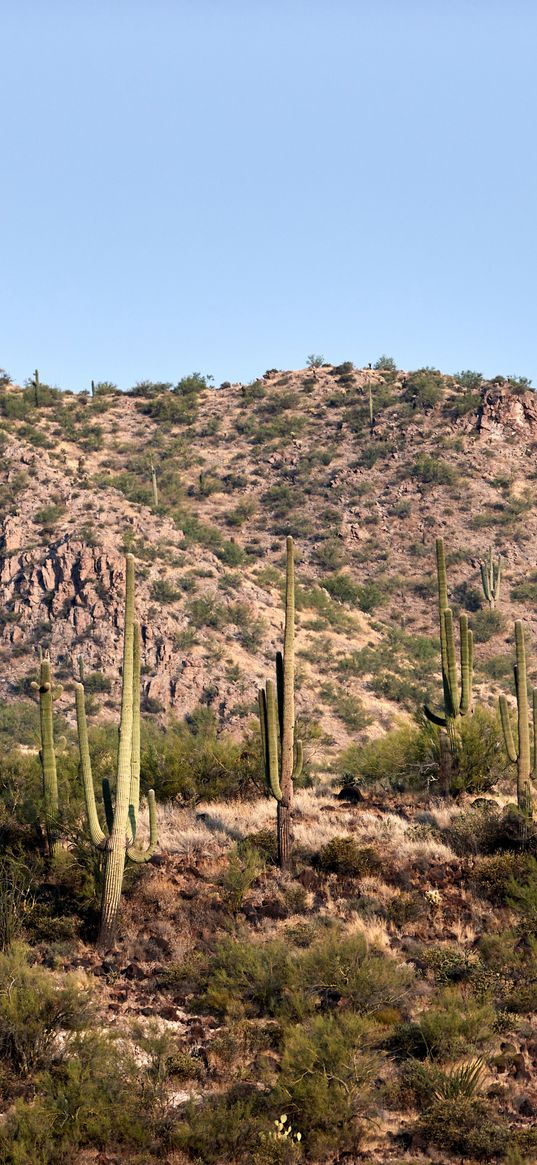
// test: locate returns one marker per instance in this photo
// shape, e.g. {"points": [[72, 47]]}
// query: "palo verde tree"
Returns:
{"points": [[282, 756], [118, 842], [521, 755]]}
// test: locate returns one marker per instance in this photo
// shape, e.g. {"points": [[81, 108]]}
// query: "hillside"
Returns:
{"points": [[237, 468], [373, 999]]}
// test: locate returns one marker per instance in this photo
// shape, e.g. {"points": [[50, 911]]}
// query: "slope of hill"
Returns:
{"points": [[237, 468]]}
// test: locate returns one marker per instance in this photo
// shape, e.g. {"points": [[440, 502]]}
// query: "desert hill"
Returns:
{"points": [[238, 467]]}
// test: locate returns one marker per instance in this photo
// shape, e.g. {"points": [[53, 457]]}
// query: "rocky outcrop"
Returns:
{"points": [[502, 411]]}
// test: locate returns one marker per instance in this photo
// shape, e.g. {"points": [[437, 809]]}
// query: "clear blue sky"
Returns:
{"points": [[229, 185]]}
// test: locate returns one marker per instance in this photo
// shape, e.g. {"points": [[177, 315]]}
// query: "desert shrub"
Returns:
{"points": [[339, 969], [49, 516], [469, 380], [97, 682], [468, 1126], [395, 760], [270, 979], [467, 596], [385, 364], [449, 964], [327, 1081], [34, 1010], [525, 591], [485, 624], [456, 1025], [475, 830], [265, 842], [248, 978], [191, 762], [479, 759], [95, 1098], [350, 709], [497, 875], [424, 388], [226, 1128], [243, 867], [371, 595], [15, 898], [498, 666], [429, 1083], [342, 588], [343, 855], [432, 470], [163, 591]]}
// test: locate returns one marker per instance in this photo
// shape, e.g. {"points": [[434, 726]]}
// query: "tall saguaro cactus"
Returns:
{"points": [[526, 770], [154, 483], [48, 692], [119, 842], [457, 700], [491, 577], [282, 756]]}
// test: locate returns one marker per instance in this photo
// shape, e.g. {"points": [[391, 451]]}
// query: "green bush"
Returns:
{"points": [[343, 855], [34, 1010], [342, 588], [96, 1098], [432, 470], [270, 979], [485, 624], [163, 591], [327, 1081], [469, 380], [467, 1126], [191, 762], [457, 1024], [424, 388]]}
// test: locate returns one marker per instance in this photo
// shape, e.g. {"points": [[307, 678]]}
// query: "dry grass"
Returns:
{"points": [[318, 817]]}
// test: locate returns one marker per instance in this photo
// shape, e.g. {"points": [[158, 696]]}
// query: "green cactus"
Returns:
{"points": [[491, 577], [282, 755], [36, 388], [48, 693], [526, 771], [457, 702], [93, 388], [119, 842]]}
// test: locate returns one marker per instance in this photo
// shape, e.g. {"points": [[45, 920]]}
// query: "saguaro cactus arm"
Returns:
{"points": [[269, 738], [97, 835], [134, 798], [521, 755], [507, 731], [139, 855]]}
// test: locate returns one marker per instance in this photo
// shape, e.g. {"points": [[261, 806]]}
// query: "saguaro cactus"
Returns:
{"points": [[526, 771], [119, 842], [457, 702], [36, 388], [48, 692], [491, 577], [154, 483], [283, 757]]}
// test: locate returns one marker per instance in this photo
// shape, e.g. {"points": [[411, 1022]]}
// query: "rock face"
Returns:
{"points": [[503, 411]]}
